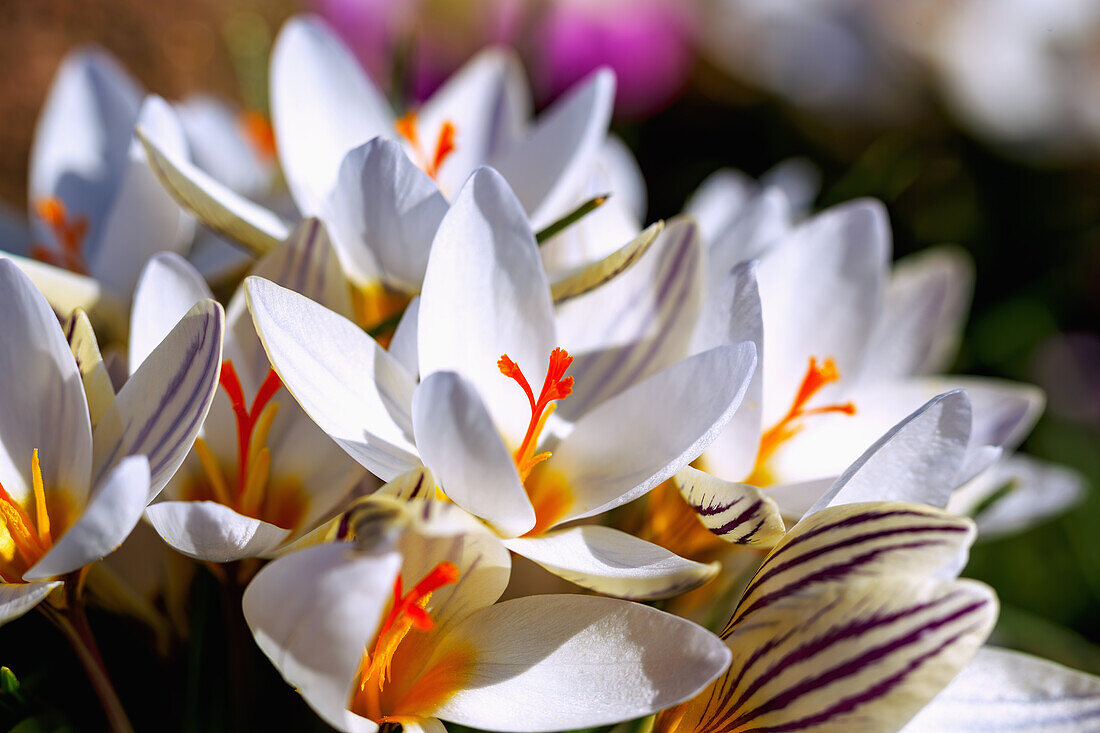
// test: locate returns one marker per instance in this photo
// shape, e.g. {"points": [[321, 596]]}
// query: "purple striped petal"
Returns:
{"points": [[738, 513]]}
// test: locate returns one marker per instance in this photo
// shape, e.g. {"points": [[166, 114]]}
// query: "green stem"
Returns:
{"points": [[73, 623], [571, 218]]}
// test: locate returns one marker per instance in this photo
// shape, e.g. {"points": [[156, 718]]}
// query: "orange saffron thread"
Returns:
{"points": [[247, 417], [407, 126], [258, 131], [556, 386], [68, 232]]}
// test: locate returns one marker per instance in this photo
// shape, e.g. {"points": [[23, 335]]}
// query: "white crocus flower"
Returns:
{"points": [[97, 213], [855, 620], [262, 474], [70, 494], [486, 434], [402, 626]]}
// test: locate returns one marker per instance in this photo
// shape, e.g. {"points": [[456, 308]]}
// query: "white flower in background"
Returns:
{"points": [[475, 418], [261, 474], [402, 626], [70, 493], [855, 620]]}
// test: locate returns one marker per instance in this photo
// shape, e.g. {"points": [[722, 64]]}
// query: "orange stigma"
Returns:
{"points": [[406, 613], [408, 128], [68, 233], [31, 538], [816, 378], [258, 132], [556, 386]]}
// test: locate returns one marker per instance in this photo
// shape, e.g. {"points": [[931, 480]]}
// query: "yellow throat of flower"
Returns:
{"points": [[23, 539]]}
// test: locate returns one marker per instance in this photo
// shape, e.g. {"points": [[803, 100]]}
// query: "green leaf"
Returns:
{"points": [[571, 218]]}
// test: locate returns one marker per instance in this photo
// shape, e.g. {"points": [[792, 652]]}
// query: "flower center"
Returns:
{"points": [[407, 611], [27, 540], [258, 132], [253, 495], [378, 310], [816, 377], [68, 233], [407, 127]]}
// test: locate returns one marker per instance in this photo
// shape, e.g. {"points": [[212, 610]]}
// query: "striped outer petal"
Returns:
{"points": [[413, 486], [601, 271], [613, 563], [1002, 690], [161, 408], [636, 324], [97, 382], [862, 655], [738, 513]]}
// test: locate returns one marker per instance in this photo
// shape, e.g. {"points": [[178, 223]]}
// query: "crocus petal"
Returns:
{"points": [[1016, 493], [403, 345], [732, 314], [98, 389], [66, 291], [213, 532], [864, 655], [322, 106], [216, 205], [636, 324], [15, 234], [459, 442], [922, 319], [738, 513], [353, 389], [799, 180], [644, 435], [475, 99], [160, 409], [547, 168], [83, 135], [625, 176], [219, 145], [18, 598], [613, 563], [384, 212], [549, 662], [602, 271], [1005, 690], [168, 288], [759, 223], [42, 403], [114, 508], [820, 288], [143, 219], [485, 239], [313, 612], [717, 203], [918, 461]]}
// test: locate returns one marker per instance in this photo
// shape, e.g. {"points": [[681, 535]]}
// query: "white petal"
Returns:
{"points": [[732, 314], [485, 294], [98, 388], [799, 180], [759, 223], [322, 106], [918, 461], [18, 598], [168, 288], [458, 441], [353, 389], [312, 613], [821, 287], [42, 403], [15, 235], [113, 509], [160, 409], [83, 135], [547, 169], [383, 213], [923, 315], [219, 146], [213, 532], [641, 437], [550, 662], [215, 204], [637, 323], [624, 174], [613, 563], [717, 203], [403, 345], [143, 219], [1002, 690]]}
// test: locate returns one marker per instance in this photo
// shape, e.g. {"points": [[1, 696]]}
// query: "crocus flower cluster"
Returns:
{"points": [[470, 443]]}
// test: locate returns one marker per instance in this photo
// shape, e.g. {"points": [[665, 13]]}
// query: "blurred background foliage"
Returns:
{"points": [[1031, 223]]}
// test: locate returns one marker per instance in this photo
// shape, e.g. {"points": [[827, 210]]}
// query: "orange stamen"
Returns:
{"points": [[247, 417], [258, 131], [556, 386], [69, 234], [31, 542], [407, 126], [815, 379]]}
